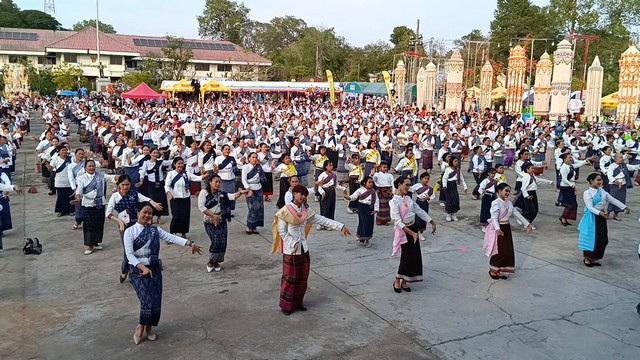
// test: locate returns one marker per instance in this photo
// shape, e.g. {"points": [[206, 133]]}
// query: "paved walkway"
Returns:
{"points": [[65, 305]]}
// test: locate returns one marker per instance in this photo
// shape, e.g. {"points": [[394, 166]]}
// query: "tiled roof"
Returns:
{"points": [[45, 37], [239, 54], [86, 40]]}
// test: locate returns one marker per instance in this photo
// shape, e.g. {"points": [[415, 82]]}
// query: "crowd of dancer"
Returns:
{"points": [[381, 160]]}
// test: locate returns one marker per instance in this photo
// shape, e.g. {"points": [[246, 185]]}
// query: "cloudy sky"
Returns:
{"points": [[359, 21]]}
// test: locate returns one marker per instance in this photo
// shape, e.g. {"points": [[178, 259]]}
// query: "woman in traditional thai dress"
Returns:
{"points": [[124, 204], [424, 194], [568, 188], [342, 149], [267, 163], [58, 165], [253, 177], [177, 189], [206, 157], [368, 206], [487, 190], [152, 171], [356, 174], [216, 207], [451, 178], [408, 166], [191, 166], [142, 247], [498, 241], [406, 241], [74, 171], [620, 180], [444, 165], [372, 158], [384, 186], [90, 192], [327, 185], [284, 171], [225, 166], [594, 237], [529, 192], [603, 165]]}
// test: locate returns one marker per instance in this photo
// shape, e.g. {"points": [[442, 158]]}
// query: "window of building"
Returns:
{"points": [[224, 68], [46, 60], [71, 58], [115, 60], [201, 67], [15, 59]]}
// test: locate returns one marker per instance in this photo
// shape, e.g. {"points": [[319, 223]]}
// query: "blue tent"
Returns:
{"points": [[67, 93]]}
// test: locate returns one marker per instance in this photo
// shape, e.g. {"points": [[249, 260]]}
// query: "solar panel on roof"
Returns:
{"points": [[12, 35], [187, 44]]}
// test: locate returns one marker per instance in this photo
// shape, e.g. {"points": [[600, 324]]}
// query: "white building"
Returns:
{"points": [[120, 53]]}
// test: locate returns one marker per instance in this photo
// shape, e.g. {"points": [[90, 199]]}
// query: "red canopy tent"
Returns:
{"points": [[142, 91]]}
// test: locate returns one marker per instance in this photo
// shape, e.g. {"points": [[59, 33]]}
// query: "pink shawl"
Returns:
{"points": [[490, 243], [400, 237]]}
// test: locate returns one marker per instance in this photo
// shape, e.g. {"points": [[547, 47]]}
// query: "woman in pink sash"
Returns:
{"points": [[405, 240], [498, 241]]}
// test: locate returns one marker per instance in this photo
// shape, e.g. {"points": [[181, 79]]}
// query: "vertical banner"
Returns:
{"points": [[387, 83], [332, 89]]}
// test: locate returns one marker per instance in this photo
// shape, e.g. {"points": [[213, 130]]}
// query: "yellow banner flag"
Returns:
{"points": [[387, 83], [332, 88]]}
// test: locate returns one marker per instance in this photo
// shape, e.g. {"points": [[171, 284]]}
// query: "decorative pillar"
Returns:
{"points": [[561, 82], [594, 90], [515, 82], [455, 69], [400, 72], [542, 86], [486, 80], [629, 84], [430, 82], [421, 87]]}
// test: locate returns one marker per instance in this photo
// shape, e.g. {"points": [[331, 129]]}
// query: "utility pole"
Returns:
{"points": [[588, 39]]}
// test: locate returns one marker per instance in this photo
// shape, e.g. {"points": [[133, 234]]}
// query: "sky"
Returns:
{"points": [[360, 22]]}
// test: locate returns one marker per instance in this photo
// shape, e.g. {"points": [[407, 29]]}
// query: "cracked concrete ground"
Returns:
{"points": [[65, 305]]}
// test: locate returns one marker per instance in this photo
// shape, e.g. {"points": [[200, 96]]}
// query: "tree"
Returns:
{"points": [[8, 6], [223, 20], [573, 16], [370, 59], [400, 36], [178, 57], [105, 28], [133, 79], [68, 77], [517, 19], [280, 33]]}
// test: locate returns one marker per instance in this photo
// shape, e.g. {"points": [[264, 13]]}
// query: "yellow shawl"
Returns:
{"points": [[289, 215]]}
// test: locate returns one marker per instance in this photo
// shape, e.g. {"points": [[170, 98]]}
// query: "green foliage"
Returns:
{"points": [[178, 57], [136, 78], [68, 77], [12, 16], [400, 36], [223, 20], [105, 28]]}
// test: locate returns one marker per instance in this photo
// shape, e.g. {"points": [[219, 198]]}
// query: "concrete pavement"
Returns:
{"points": [[65, 305]]}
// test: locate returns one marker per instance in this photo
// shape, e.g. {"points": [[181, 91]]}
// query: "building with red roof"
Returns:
{"points": [[120, 54]]}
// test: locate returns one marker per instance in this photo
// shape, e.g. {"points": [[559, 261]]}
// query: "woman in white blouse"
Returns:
{"points": [[123, 203], [142, 248], [176, 187], [225, 165], [90, 192], [58, 166], [153, 171], [619, 175], [215, 205], [406, 240], [498, 241], [253, 177], [451, 178], [368, 206], [593, 238]]}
